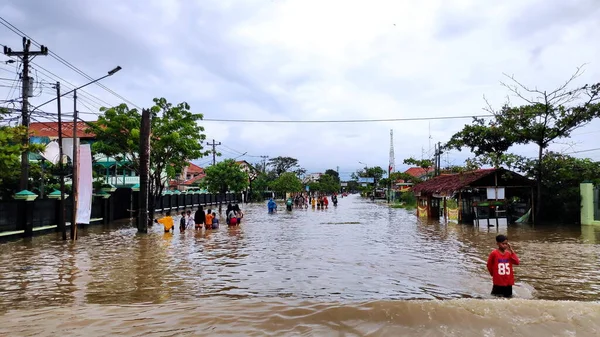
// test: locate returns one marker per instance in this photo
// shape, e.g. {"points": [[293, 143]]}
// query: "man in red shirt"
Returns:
{"points": [[500, 265]]}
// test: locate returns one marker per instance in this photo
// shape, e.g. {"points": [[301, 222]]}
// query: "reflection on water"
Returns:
{"points": [[360, 251]]}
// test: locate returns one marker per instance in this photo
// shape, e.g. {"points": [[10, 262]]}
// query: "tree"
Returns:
{"points": [[487, 141], [548, 116], [281, 165], [560, 184], [225, 176], [11, 147], [175, 140], [334, 174], [328, 184], [287, 182]]}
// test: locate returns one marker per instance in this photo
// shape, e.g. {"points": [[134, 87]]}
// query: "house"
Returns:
{"points": [[189, 177], [114, 171], [312, 177], [485, 196], [419, 172], [250, 170]]}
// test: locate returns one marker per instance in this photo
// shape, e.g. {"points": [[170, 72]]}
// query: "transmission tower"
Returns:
{"points": [[392, 166]]}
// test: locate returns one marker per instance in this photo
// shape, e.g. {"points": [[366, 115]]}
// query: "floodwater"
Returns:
{"points": [[361, 269]]}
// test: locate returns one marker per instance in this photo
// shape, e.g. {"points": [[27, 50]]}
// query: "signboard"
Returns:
{"points": [[344, 184], [369, 180], [307, 188], [495, 193]]}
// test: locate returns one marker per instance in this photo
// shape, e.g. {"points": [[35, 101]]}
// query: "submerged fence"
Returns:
{"points": [[27, 217]]}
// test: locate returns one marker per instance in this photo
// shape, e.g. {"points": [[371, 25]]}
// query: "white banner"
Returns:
{"points": [[84, 184]]}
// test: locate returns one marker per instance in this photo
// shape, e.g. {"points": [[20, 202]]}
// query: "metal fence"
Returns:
{"points": [[16, 215]]}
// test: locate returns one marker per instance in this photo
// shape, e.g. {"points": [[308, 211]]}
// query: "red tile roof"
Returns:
{"points": [[418, 172], [446, 184], [193, 168], [194, 179], [50, 129]]}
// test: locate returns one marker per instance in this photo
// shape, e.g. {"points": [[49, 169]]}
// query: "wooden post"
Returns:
{"points": [[144, 171], [460, 206], [445, 211], [532, 207]]}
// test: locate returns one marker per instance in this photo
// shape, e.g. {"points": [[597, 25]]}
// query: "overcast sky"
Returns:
{"points": [[314, 60]]}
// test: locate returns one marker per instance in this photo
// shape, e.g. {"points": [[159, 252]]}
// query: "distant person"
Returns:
{"points": [[289, 203], [334, 200], [189, 220], [271, 206], [500, 265], [208, 222], [238, 213], [182, 222], [231, 218], [228, 213], [166, 221], [199, 218]]}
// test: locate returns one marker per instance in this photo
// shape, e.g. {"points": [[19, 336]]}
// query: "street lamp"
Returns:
{"points": [[61, 222]]}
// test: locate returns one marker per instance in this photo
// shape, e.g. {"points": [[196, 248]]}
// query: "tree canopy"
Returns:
{"points": [[281, 165], [287, 182], [225, 176], [175, 139]]}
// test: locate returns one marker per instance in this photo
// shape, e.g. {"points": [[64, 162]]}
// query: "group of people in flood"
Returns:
{"points": [[201, 219], [302, 200]]}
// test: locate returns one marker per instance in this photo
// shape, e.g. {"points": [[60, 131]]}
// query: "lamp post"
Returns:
{"points": [[61, 224]]}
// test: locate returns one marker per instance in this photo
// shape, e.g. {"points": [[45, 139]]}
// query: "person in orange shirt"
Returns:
{"points": [[208, 221], [167, 222]]}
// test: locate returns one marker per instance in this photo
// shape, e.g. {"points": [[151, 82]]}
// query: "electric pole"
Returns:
{"points": [[264, 165], [214, 151], [61, 203], [145, 131], [26, 55], [75, 176]]}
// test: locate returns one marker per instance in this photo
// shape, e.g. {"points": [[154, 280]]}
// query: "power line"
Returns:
{"points": [[408, 119], [65, 62], [588, 150]]}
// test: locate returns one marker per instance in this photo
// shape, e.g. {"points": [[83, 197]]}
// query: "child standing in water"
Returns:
{"points": [[208, 221], [500, 266], [166, 221], [182, 222]]}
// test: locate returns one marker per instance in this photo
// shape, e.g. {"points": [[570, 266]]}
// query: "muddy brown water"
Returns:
{"points": [[359, 269]]}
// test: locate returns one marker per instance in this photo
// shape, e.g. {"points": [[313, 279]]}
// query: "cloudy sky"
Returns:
{"points": [[313, 60]]}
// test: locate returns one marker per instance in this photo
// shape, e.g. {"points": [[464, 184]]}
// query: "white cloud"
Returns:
{"points": [[311, 59]]}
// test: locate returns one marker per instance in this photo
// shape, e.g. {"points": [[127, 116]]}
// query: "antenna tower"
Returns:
{"points": [[392, 166]]}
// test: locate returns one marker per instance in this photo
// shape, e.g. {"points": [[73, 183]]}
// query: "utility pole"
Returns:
{"points": [[75, 189], [144, 170], [214, 151], [61, 203], [264, 165], [26, 55]]}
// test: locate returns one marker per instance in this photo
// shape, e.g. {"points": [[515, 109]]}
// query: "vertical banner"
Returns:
{"points": [[84, 184]]}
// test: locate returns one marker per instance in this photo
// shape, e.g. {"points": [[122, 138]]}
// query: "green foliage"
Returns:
{"points": [[487, 141], [560, 184], [281, 165], [352, 186], [225, 176], [11, 147], [328, 184], [406, 200], [261, 183], [287, 182], [175, 139], [334, 174], [422, 163], [395, 176]]}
